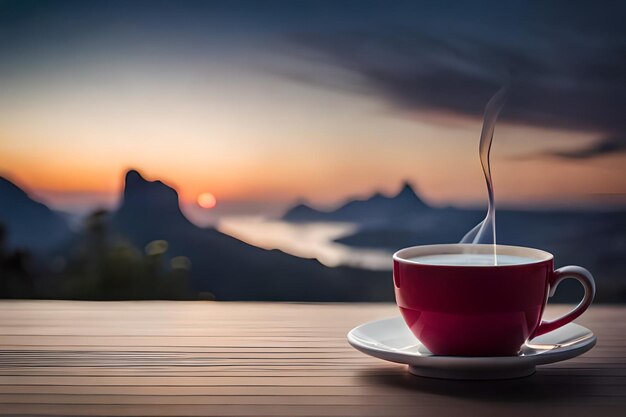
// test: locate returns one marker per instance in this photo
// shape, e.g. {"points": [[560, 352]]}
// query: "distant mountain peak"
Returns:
{"points": [[375, 208], [136, 187], [7, 186], [376, 196], [300, 206], [149, 202], [30, 224], [407, 187], [407, 191], [132, 175]]}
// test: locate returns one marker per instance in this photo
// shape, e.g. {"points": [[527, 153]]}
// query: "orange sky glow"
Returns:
{"points": [[254, 136]]}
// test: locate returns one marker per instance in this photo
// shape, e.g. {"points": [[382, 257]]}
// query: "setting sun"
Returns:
{"points": [[207, 200]]}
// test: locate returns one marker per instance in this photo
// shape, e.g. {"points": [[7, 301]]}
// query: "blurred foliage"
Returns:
{"points": [[110, 268], [16, 278], [98, 266]]}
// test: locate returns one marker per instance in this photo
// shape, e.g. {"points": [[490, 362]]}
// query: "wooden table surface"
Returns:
{"points": [[266, 359]]}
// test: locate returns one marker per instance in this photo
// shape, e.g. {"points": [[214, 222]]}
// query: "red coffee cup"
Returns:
{"points": [[481, 310]]}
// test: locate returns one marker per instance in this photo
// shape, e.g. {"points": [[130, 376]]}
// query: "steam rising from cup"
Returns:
{"points": [[485, 231]]}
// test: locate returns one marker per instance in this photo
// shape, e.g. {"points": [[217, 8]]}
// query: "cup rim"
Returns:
{"points": [[537, 255]]}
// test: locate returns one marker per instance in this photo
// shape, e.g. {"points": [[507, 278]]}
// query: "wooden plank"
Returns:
{"points": [[278, 359]]}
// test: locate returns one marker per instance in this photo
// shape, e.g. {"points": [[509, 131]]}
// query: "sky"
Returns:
{"points": [[270, 102]]}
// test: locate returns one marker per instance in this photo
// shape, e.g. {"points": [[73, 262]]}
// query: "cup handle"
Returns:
{"points": [[585, 278]]}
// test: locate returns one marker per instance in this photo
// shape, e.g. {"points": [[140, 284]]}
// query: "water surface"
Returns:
{"points": [[306, 240]]}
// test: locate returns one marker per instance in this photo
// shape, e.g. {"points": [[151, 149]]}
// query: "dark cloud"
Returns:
{"points": [[605, 146], [568, 73], [567, 85]]}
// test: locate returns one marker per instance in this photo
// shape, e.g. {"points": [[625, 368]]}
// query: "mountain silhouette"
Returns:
{"points": [[148, 203], [593, 239], [29, 223], [230, 268], [376, 208]]}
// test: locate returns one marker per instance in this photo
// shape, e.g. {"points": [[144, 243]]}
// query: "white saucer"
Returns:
{"points": [[391, 340]]}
